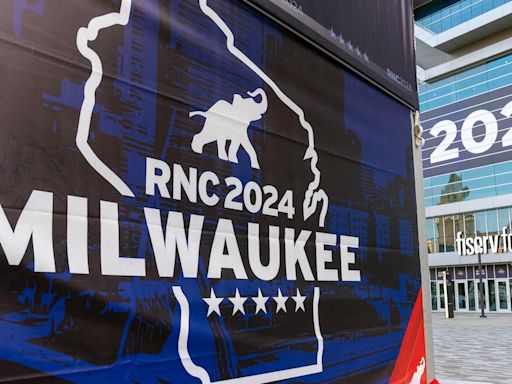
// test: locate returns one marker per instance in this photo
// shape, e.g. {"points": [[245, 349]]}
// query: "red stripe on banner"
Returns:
{"points": [[410, 366]]}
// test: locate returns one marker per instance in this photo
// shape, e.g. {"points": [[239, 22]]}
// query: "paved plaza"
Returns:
{"points": [[468, 348]]}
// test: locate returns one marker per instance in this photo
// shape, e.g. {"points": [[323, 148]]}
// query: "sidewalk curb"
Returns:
{"points": [[445, 381]]}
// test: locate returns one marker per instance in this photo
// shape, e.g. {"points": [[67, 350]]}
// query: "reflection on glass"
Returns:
{"points": [[510, 285], [492, 295], [481, 287], [439, 226], [491, 75], [502, 294], [430, 235], [480, 223], [442, 231], [454, 191], [503, 223], [449, 233], [461, 295], [492, 222], [433, 295], [469, 219], [441, 295], [471, 294]]}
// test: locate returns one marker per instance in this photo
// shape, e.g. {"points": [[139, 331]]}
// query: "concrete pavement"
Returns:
{"points": [[470, 349]]}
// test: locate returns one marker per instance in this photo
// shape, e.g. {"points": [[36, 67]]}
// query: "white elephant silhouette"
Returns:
{"points": [[230, 121], [420, 370]]}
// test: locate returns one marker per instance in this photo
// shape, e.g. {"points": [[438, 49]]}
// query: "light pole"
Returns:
{"points": [[481, 296]]}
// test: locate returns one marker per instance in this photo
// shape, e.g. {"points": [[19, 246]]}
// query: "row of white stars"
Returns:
{"points": [[349, 45], [260, 300]]}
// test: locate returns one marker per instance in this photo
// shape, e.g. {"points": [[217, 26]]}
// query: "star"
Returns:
{"points": [[358, 51], [238, 302], [333, 34], [260, 301], [341, 39], [365, 57], [281, 301], [299, 301], [350, 46], [213, 303]]}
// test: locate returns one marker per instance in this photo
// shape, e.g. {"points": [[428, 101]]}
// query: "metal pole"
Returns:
{"points": [[481, 286]]}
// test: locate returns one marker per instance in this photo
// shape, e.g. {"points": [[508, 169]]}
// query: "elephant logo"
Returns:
{"points": [[227, 121], [420, 370]]}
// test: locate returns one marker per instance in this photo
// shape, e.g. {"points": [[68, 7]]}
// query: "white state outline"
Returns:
{"points": [[263, 378], [83, 36], [313, 195]]}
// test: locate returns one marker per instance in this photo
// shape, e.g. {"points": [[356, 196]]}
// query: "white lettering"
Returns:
{"points": [[36, 222]]}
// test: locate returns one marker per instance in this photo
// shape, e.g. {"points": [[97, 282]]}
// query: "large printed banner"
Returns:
{"points": [[468, 133], [192, 194], [374, 36]]}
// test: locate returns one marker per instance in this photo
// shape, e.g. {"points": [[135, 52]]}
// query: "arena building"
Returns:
{"points": [[464, 59]]}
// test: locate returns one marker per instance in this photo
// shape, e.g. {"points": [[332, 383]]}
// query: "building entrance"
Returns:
{"points": [[497, 292]]}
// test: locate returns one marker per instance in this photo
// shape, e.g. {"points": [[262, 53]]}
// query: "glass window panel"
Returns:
{"points": [[428, 192], [471, 295], [503, 169], [449, 234], [480, 193], [499, 63], [472, 90], [436, 27], [458, 223], [436, 102], [446, 20], [487, 5], [469, 222], [433, 295], [492, 222], [503, 219], [454, 190], [502, 295], [492, 295], [504, 189], [480, 223], [436, 235], [439, 224], [501, 81], [456, 17], [425, 21], [435, 17], [461, 297], [492, 75], [479, 172], [441, 294], [482, 182], [430, 235], [476, 8]]}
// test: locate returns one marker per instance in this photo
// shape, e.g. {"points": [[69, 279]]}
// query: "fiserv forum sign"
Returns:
{"points": [[177, 207]]}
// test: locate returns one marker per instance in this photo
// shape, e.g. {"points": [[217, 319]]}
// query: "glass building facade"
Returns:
{"points": [[470, 184], [442, 230], [473, 200], [483, 78], [458, 13]]}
